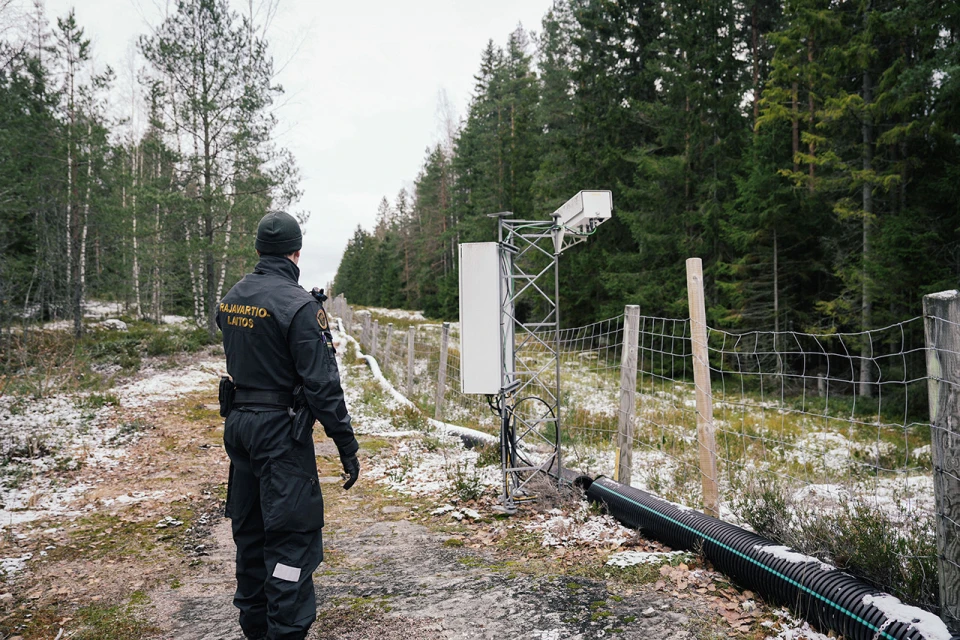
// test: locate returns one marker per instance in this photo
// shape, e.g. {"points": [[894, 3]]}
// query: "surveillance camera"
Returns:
{"points": [[580, 215], [584, 211]]}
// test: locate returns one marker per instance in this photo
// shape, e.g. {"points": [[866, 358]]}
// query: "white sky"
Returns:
{"points": [[362, 81]]}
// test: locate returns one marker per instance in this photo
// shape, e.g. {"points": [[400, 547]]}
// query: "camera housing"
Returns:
{"points": [[582, 213]]}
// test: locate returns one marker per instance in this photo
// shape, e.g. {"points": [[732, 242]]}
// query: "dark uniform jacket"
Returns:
{"points": [[276, 337]]}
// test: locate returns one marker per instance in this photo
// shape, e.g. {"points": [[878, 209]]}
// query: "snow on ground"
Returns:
{"points": [[11, 566], [633, 558], [65, 431], [417, 471], [182, 321], [791, 628], [399, 314], [100, 309], [578, 528], [165, 385]]}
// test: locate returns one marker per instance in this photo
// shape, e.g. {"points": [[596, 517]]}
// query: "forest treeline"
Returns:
{"points": [[139, 190], [808, 151]]}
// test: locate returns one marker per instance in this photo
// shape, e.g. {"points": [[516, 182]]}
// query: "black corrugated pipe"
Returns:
{"points": [[823, 595]]}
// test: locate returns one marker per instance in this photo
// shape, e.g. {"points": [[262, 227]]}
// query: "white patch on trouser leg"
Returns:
{"points": [[290, 574]]}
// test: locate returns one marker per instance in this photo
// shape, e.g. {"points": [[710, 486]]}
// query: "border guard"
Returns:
{"points": [[282, 367]]}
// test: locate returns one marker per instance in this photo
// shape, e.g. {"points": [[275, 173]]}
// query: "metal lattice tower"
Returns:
{"points": [[529, 402]]}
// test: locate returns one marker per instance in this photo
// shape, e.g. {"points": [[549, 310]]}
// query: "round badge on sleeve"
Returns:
{"points": [[322, 319]]}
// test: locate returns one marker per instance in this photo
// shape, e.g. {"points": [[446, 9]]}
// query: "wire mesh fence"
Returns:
{"points": [[823, 441]]}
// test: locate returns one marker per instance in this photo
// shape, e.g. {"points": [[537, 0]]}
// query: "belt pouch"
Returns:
{"points": [[226, 394]]}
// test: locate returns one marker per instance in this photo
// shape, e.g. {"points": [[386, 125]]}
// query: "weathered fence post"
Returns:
{"points": [[701, 379], [349, 326], [411, 341], [628, 394], [386, 352], [365, 336], [442, 373], [941, 313], [373, 338]]}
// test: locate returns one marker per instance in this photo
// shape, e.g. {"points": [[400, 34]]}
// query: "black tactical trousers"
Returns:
{"points": [[274, 501]]}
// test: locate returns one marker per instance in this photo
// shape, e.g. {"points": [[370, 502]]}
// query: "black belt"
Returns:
{"points": [[257, 396]]}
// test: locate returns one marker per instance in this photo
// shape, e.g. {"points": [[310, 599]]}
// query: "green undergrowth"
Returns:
{"points": [[856, 536], [115, 622], [39, 363], [121, 620]]}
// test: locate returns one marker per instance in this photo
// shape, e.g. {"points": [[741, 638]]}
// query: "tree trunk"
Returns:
{"points": [[70, 182], [194, 279], [755, 47], [812, 112], [208, 230], [82, 258], [223, 264], [157, 254], [136, 249], [795, 122], [776, 283], [866, 350]]}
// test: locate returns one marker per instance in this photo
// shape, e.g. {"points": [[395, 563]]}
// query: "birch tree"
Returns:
{"points": [[220, 77]]}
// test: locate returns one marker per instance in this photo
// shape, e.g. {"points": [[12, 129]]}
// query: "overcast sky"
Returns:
{"points": [[362, 81]]}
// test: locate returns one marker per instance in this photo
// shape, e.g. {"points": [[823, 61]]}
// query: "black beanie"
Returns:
{"points": [[278, 234]]}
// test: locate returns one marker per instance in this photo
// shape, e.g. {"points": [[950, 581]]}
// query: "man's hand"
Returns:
{"points": [[351, 470]]}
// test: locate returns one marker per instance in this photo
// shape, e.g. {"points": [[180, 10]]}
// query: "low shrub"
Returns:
{"points": [[856, 536]]}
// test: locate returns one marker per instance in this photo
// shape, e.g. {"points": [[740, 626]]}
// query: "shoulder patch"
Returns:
{"points": [[322, 320]]}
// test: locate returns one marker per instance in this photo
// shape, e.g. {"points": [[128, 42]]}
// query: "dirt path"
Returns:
{"points": [[395, 579], [145, 553]]}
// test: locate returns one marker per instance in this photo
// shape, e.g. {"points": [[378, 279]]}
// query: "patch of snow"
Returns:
{"points": [[632, 558], [113, 324], [924, 453], [163, 386], [168, 522], [133, 498], [176, 320], [439, 511], [61, 432], [399, 314], [100, 309], [928, 625], [579, 528], [831, 449], [11, 566], [416, 471], [792, 628], [785, 553]]}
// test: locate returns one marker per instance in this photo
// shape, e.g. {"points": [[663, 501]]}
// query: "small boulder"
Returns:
{"points": [[113, 324]]}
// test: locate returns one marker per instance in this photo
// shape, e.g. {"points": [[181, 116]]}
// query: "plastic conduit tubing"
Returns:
{"points": [[821, 594]]}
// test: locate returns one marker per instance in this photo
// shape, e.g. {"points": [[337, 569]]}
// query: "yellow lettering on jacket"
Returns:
{"points": [[240, 321], [244, 310]]}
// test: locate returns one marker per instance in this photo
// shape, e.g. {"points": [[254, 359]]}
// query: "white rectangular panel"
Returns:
{"points": [[480, 351]]}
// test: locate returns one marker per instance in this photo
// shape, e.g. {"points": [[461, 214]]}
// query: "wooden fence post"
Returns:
{"points": [[941, 313], [701, 377], [628, 394], [442, 373], [365, 336], [373, 338], [411, 340], [386, 352]]}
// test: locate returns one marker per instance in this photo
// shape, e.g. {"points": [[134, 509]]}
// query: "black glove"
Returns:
{"points": [[351, 470]]}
